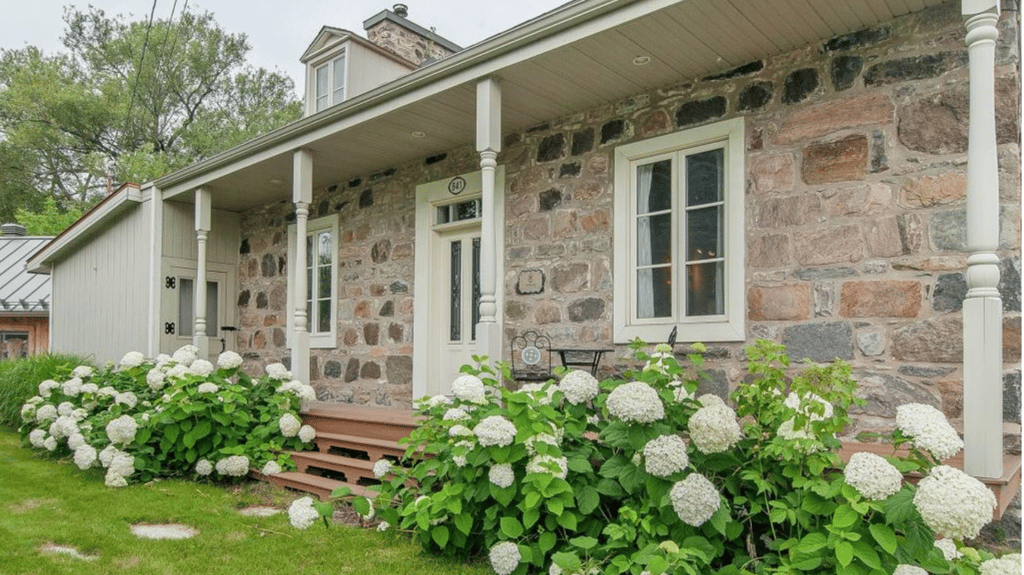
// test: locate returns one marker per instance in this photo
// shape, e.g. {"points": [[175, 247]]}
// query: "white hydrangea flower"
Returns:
{"points": [[85, 456], [64, 426], [207, 387], [163, 359], [28, 412], [929, 430], [82, 371], [436, 400], [90, 388], [502, 475], [539, 464], [37, 437], [949, 550], [75, 441], [307, 433], [177, 371], [714, 428], [107, 454], [65, 408], [904, 569], [1009, 564], [459, 430], [532, 441], [235, 465], [593, 419], [793, 402], [679, 392], [381, 468], [954, 504], [78, 414], [200, 368], [122, 466], [710, 399], [786, 431], [538, 392], [155, 379], [35, 400], [127, 399], [383, 526], [695, 499], [301, 513], [72, 387], [635, 402], [872, 476], [47, 387], [665, 455], [185, 355], [456, 414], [460, 460], [204, 467], [278, 371], [229, 360], [51, 443], [495, 430], [469, 388], [132, 359], [122, 430], [289, 425], [46, 413], [578, 387], [505, 557], [306, 393], [107, 391], [271, 468]]}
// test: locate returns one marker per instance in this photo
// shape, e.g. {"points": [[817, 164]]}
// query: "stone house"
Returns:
{"points": [[806, 171], [24, 297]]}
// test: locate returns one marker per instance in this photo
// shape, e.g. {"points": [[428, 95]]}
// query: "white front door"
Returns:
{"points": [[178, 310], [456, 301]]}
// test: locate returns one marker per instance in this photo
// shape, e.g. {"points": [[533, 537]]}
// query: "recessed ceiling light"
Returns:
{"points": [[418, 135], [641, 60], [275, 181]]}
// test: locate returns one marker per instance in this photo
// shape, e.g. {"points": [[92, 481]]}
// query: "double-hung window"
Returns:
{"points": [[679, 236], [321, 269], [330, 83]]}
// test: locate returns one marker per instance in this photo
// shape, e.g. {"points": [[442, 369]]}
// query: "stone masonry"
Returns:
{"points": [[854, 214]]}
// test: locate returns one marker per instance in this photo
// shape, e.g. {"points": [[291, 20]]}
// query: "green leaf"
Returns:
{"points": [[555, 506], [720, 518], [568, 520], [585, 543], [816, 504], [657, 565], [587, 499], [361, 506], [884, 536], [511, 527], [170, 434], [811, 543], [530, 516], [503, 496], [440, 535], [580, 465], [464, 522], [845, 517], [899, 507], [340, 492], [567, 561], [546, 541], [610, 488], [844, 553], [866, 553]]}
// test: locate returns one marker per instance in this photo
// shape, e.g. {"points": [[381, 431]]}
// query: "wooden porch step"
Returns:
{"points": [[314, 484], [375, 448], [377, 423], [353, 469]]}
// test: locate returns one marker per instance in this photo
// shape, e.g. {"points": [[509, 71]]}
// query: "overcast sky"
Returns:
{"points": [[279, 30]]}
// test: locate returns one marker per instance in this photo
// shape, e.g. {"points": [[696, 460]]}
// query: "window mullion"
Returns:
{"points": [[679, 237]]}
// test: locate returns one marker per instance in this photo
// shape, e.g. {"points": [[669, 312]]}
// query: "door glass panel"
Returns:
{"points": [[212, 327], [704, 174], [476, 285], [186, 308], [704, 293], [455, 281]]}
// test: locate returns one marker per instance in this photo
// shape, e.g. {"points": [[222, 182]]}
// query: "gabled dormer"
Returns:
{"points": [[340, 65]]}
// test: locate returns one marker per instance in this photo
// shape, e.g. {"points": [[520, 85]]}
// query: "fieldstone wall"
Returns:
{"points": [[402, 41], [855, 223]]}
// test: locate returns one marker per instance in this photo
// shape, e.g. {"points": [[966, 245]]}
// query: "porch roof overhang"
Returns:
{"points": [[574, 58]]}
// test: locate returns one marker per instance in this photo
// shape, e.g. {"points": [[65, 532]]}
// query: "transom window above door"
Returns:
{"points": [[459, 212], [679, 232]]}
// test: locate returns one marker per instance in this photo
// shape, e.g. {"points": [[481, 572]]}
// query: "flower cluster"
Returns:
{"points": [[954, 504], [229, 360], [948, 548], [714, 428], [929, 430], [872, 476], [234, 466], [289, 425], [695, 499], [905, 569], [635, 402], [505, 557], [502, 475], [122, 430], [665, 455], [1009, 564], [381, 468], [495, 430], [548, 464], [578, 387], [132, 359], [302, 514], [307, 433], [469, 388], [278, 371], [271, 468]]}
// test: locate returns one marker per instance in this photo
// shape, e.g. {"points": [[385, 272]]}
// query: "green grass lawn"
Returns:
{"points": [[47, 502]]}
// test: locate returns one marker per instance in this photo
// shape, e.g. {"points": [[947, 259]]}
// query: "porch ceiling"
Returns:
{"points": [[549, 67]]}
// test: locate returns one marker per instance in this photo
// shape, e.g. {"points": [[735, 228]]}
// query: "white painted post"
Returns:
{"points": [[203, 218], [156, 282], [302, 196], [488, 143], [983, 311]]}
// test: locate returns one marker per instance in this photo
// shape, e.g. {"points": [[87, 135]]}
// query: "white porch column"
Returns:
{"points": [[983, 311], [203, 217], [156, 282], [302, 195], [488, 143]]}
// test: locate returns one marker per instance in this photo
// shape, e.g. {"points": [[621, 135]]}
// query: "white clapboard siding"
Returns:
{"points": [[368, 69], [179, 241], [100, 291]]}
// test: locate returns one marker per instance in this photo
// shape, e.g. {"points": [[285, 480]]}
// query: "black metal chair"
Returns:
{"points": [[531, 357]]}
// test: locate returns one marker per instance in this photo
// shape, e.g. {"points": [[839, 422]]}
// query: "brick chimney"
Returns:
{"points": [[393, 31]]}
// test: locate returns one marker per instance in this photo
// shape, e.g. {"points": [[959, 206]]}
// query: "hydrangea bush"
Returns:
{"points": [[173, 416], [642, 476]]}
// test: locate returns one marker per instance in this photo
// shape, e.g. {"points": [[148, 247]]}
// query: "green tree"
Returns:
{"points": [[48, 222], [127, 101]]}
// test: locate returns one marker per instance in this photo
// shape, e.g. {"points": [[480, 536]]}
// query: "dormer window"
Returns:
{"points": [[330, 83]]}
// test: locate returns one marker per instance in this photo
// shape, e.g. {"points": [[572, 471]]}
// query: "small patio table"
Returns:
{"points": [[580, 357]]}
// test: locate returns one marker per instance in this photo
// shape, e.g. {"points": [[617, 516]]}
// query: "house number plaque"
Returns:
{"points": [[531, 355], [456, 186]]}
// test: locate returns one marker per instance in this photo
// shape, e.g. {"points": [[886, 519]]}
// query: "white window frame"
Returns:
{"points": [[730, 326], [331, 94], [317, 339]]}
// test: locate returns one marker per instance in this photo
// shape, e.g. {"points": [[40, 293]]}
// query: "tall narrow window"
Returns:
{"points": [[329, 83], [186, 307], [321, 270], [679, 236], [455, 307], [323, 97]]}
